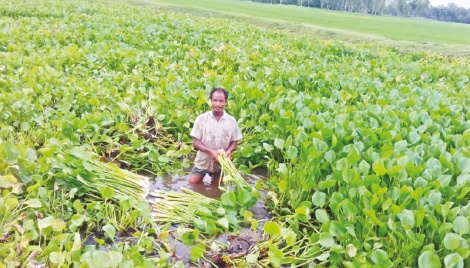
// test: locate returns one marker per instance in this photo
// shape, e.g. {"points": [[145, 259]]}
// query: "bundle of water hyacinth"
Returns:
{"points": [[185, 207], [124, 183], [231, 177], [84, 170]]}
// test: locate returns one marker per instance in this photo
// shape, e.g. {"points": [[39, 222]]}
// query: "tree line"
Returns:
{"points": [[404, 8]]}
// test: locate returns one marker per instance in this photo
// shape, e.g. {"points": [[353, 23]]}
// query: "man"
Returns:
{"points": [[212, 131]]}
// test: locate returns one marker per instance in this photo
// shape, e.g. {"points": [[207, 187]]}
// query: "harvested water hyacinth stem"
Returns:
{"points": [[180, 207], [230, 173]]}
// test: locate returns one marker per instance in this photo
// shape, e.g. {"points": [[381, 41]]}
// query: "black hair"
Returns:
{"points": [[219, 89]]}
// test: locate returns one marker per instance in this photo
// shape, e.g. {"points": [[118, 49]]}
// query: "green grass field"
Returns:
{"points": [[402, 29]]}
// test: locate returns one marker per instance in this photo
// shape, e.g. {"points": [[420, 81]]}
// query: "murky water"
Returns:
{"points": [[176, 182]]}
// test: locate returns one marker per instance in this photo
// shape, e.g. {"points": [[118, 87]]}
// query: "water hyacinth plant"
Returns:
{"points": [[367, 146]]}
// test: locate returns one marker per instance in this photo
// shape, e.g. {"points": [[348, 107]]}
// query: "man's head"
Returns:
{"points": [[219, 98], [221, 89]]}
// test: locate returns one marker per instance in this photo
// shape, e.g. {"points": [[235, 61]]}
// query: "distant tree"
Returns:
{"points": [[404, 8]]}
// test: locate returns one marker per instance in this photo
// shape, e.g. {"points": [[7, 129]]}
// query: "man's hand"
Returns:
{"points": [[213, 154], [228, 153]]}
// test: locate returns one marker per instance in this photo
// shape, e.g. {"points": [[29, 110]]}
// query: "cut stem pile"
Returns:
{"points": [[176, 207], [124, 183], [90, 176]]}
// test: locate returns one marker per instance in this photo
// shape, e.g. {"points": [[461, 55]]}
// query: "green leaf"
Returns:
{"points": [[76, 242], [279, 143], [57, 258], [282, 168], [109, 230], [380, 257], [164, 159], [243, 196], [407, 219], [197, 252], [429, 259], [58, 225], [80, 153], [414, 137], [268, 147], [464, 165], [337, 229], [349, 208], [34, 203], [272, 228], [203, 211], [351, 250], [324, 256], [188, 238], [291, 152], [434, 198], [400, 146], [228, 199], [322, 215], [326, 240], [223, 222], [379, 167], [46, 222], [302, 214], [107, 192], [291, 238], [453, 260], [319, 199], [342, 164], [275, 256], [353, 155], [11, 153], [252, 258], [461, 225], [452, 241]]}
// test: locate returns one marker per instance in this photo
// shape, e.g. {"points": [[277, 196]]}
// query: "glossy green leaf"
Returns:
{"points": [[429, 259], [452, 241], [453, 260], [379, 167], [380, 258], [109, 230], [461, 225], [279, 143], [319, 199], [326, 240], [271, 228], [275, 256], [321, 215], [107, 192]]}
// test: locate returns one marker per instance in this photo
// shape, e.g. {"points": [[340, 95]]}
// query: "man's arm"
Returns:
{"points": [[231, 148], [199, 145]]}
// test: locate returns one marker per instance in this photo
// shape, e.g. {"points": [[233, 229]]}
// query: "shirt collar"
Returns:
{"points": [[224, 115]]}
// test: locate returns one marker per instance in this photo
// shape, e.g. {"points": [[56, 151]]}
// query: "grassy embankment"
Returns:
{"points": [[407, 34]]}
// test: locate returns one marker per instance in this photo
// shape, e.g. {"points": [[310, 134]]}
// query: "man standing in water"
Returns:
{"points": [[213, 130]]}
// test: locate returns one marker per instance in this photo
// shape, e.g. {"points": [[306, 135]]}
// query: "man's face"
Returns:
{"points": [[218, 101]]}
